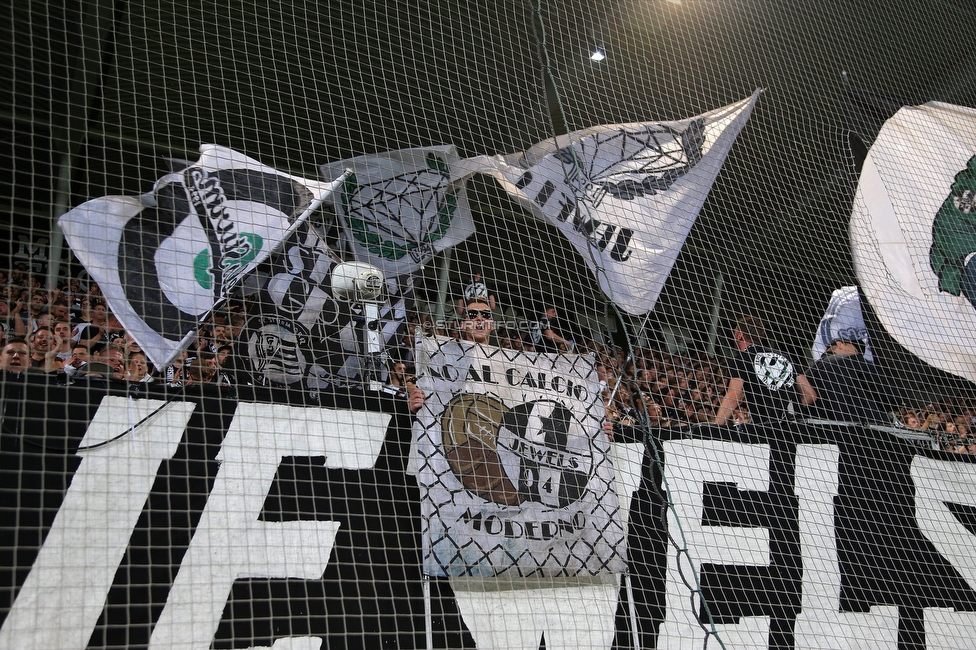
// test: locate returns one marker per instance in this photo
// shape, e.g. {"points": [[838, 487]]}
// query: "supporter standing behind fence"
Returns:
{"points": [[137, 368], [92, 332], [478, 322], [846, 385], [62, 334], [107, 362], [398, 377], [79, 359], [14, 358], [14, 362], [5, 325], [44, 349], [761, 377], [546, 336]]}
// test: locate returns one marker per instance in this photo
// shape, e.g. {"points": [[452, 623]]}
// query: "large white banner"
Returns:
{"points": [[625, 195], [167, 530], [515, 473], [399, 208], [163, 260], [913, 233]]}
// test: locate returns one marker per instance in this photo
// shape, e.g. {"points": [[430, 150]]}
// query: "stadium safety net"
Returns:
{"points": [[517, 324]]}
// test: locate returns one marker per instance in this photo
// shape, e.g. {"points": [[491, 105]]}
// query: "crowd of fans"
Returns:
{"points": [[950, 424], [656, 387], [70, 332], [659, 388]]}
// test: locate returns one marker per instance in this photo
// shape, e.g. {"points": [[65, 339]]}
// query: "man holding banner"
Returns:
{"points": [[518, 496], [846, 384], [478, 323], [515, 471]]}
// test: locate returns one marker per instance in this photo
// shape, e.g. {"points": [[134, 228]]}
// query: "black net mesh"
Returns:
{"points": [[538, 324]]}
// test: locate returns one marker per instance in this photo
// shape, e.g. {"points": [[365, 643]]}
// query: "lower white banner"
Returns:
{"points": [[515, 474]]}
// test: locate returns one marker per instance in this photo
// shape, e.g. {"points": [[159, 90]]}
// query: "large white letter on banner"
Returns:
{"points": [[230, 542], [820, 625], [688, 465], [64, 594], [938, 483]]}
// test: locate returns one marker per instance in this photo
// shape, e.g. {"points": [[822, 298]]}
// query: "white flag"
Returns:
{"points": [[625, 195], [516, 478], [399, 208], [842, 320], [165, 259], [913, 233]]}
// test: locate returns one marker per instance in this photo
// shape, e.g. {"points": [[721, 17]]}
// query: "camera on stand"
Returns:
{"points": [[361, 285]]}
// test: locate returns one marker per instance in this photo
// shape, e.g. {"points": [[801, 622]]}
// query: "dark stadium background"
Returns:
{"points": [[99, 94]]}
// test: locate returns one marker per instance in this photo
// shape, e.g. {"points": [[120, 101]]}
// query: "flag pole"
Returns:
{"points": [[628, 585], [632, 609], [423, 363], [428, 614], [312, 207]]}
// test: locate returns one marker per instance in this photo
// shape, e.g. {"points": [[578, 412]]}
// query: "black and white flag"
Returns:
{"points": [[397, 209], [515, 471], [299, 334], [625, 195], [163, 260]]}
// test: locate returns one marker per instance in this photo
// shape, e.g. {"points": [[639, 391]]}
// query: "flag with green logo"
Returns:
{"points": [[398, 208], [913, 233], [164, 259]]}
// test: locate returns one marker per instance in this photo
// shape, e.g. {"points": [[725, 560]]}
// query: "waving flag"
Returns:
{"points": [[625, 195], [299, 334], [842, 320], [165, 259], [913, 233], [399, 208]]}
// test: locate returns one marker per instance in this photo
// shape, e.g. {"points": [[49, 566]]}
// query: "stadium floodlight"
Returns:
{"points": [[598, 55]]}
